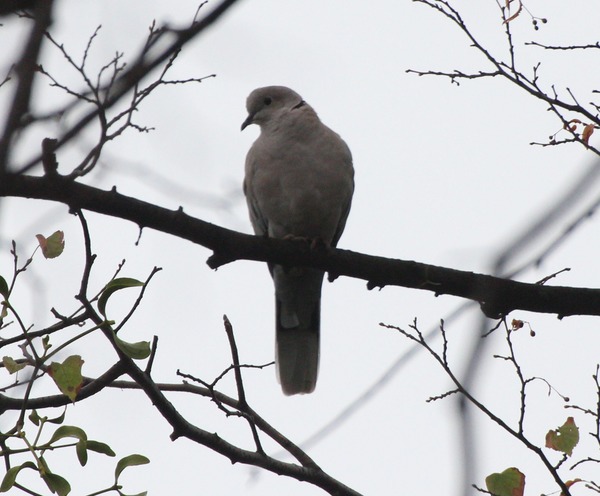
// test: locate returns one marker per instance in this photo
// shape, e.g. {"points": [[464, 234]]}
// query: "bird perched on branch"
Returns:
{"points": [[299, 184]]}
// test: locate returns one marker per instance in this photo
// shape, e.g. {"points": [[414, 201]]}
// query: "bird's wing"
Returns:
{"points": [[259, 223]]}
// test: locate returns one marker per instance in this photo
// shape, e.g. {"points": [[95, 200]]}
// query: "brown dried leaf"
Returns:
{"points": [[587, 132], [516, 14], [572, 124]]}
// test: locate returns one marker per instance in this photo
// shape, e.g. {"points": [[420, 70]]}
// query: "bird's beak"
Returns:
{"points": [[248, 121]]}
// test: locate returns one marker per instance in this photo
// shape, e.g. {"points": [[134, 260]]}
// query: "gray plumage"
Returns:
{"points": [[299, 183]]}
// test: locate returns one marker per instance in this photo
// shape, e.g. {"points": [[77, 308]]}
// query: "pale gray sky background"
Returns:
{"points": [[444, 175]]}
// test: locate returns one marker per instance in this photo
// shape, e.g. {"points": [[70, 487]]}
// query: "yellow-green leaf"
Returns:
{"points": [[565, 438], [12, 365], [53, 245], [67, 375], [511, 482]]}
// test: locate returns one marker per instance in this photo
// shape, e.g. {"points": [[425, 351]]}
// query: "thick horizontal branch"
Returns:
{"points": [[496, 295]]}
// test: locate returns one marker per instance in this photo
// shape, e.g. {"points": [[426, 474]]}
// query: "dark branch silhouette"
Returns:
{"points": [[497, 296]]}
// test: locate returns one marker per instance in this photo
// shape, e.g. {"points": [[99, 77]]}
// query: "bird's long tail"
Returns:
{"points": [[298, 316]]}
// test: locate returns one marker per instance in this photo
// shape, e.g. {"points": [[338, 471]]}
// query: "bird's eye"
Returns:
{"points": [[268, 101]]}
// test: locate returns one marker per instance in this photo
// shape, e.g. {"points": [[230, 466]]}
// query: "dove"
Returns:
{"points": [[298, 183]]}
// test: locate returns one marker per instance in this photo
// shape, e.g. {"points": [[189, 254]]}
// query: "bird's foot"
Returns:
{"points": [[315, 243], [293, 237], [318, 244]]}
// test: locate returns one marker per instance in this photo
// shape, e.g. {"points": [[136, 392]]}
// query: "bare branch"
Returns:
{"points": [[145, 63], [416, 336], [510, 71], [25, 70], [569, 47]]}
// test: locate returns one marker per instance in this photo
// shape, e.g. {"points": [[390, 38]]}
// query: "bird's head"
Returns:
{"points": [[268, 104]]}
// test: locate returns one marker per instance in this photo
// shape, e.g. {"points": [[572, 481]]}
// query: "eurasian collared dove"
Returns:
{"points": [[299, 183]]}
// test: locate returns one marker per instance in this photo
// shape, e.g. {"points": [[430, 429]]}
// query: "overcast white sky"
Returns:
{"points": [[444, 175]]}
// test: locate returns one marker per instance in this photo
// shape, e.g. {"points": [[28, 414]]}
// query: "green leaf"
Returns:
{"points": [[565, 438], [53, 245], [129, 461], [58, 420], [99, 447], [11, 476], [68, 431], [115, 285], [81, 450], [137, 351], [83, 446], [143, 493], [34, 417], [43, 466], [511, 482], [3, 287], [12, 365], [57, 484], [67, 375]]}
